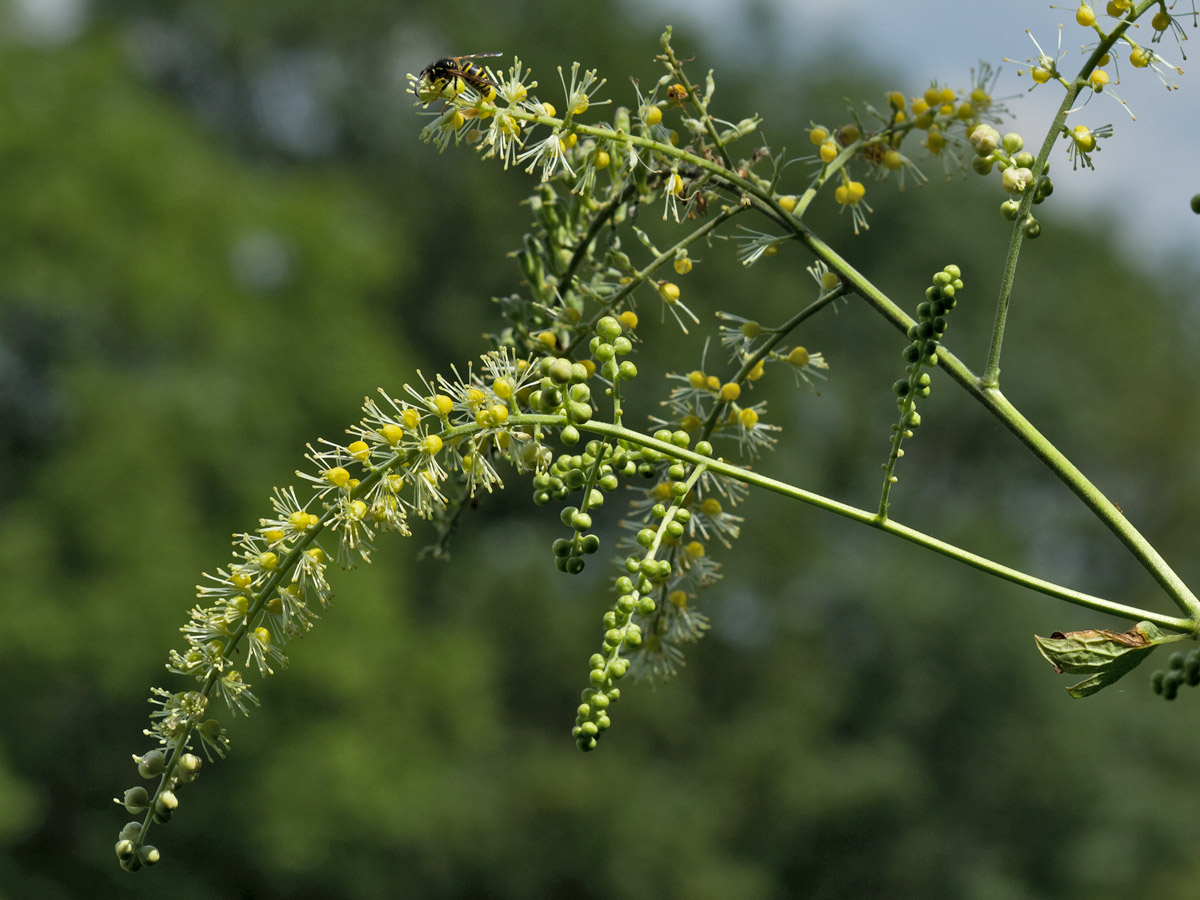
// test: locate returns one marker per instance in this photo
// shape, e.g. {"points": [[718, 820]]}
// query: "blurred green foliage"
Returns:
{"points": [[191, 289]]}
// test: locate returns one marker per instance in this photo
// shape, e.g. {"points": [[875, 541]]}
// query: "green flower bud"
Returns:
{"points": [[985, 139], [151, 765], [137, 800], [608, 328], [558, 370], [1016, 178]]}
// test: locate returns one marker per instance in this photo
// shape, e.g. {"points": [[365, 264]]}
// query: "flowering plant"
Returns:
{"points": [[548, 399]]}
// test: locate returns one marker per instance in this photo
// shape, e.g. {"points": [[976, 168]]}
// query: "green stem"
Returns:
{"points": [[997, 404], [583, 330], [865, 517], [710, 423], [991, 372]]}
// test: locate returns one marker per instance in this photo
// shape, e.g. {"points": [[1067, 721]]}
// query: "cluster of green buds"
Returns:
{"points": [[132, 852], [1016, 164], [1180, 670], [940, 297], [660, 568]]}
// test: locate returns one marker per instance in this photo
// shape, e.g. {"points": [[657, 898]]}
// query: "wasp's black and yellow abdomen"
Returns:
{"points": [[451, 75]]}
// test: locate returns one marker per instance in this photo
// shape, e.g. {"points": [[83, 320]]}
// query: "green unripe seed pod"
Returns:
{"points": [[581, 521], [1010, 209], [573, 565]]}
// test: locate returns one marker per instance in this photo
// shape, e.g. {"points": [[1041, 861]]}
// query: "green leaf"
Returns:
{"points": [[1103, 655]]}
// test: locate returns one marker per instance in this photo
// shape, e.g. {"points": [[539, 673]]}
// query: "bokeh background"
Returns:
{"points": [[218, 232]]}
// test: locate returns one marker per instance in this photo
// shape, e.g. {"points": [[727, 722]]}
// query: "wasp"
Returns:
{"points": [[450, 75]]}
